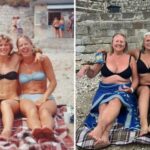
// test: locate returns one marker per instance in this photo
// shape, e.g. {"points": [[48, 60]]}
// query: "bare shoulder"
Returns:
{"points": [[15, 56], [46, 60]]}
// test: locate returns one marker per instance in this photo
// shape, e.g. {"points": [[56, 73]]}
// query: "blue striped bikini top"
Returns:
{"points": [[37, 76]]}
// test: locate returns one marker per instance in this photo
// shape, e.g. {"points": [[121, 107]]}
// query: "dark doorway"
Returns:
{"points": [[52, 15]]}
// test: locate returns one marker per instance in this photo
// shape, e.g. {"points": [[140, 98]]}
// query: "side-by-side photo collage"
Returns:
{"points": [[74, 75]]}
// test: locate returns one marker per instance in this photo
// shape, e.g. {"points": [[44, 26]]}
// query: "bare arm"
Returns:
{"points": [[89, 70], [134, 53], [135, 79], [48, 68]]}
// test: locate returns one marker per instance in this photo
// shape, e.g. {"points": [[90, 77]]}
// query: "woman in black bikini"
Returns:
{"points": [[119, 80], [143, 66], [9, 66]]}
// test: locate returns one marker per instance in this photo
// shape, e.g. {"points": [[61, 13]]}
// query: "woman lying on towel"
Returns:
{"points": [[114, 99], [9, 66], [36, 100]]}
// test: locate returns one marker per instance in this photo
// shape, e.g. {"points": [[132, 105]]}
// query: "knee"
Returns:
{"points": [[144, 89], [33, 111], [4, 104], [44, 112]]}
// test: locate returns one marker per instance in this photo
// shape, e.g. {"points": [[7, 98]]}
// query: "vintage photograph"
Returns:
{"points": [[37, 74]]}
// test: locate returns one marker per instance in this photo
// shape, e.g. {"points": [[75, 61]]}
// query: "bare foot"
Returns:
{"points": [[105, 139], [48, 133], [144, 130], [37, 133], [5, 134], [96, 135]]}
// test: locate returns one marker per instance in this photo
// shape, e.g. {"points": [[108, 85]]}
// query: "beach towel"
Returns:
{"points": [[22, 139], [118, 136], [126, 127], [128, 115]]}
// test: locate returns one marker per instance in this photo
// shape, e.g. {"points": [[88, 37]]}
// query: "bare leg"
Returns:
{"points": [[46, 113], [8, 108], [102, 107], [143, 101], [32, 115], [112, 110], [29, 109]]}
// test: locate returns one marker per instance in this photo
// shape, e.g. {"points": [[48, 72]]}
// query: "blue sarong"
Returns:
{"points": [[128, 115]]}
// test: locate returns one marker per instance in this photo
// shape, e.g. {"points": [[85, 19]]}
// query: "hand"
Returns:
{"points": [[39, 102], [83, 71], [38, 57], [101, 51], [127, 90]]}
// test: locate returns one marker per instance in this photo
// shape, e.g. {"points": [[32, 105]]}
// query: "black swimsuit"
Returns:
{"points": [[141, 67], [10, 76], [124, 74]]}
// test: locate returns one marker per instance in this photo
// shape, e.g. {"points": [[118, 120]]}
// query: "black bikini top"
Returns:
{"points": [[141, 67], [10, 76], [124, 74]]}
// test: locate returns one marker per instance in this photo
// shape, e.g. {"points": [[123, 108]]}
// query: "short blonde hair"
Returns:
{"points": [[7, 39]]}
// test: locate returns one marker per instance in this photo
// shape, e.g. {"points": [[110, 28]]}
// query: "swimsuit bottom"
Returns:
{"points": [[34, 97]]}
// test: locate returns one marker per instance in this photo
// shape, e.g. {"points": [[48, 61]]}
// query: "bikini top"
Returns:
{"points": [[12, 75], [141, 67], [36, 76], [124, 74]]}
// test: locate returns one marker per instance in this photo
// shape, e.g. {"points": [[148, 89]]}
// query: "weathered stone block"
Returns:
{"points": [[127, 15], [80, 49], [138, 25], [78, 42], [132, 39], [81, 29], [92, 48], [117, 26], [130, 32]]}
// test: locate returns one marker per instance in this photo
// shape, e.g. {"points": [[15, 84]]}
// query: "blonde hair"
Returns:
{"points": [[24, 37], [143, 47], [35, 49], [6, 39], [126, 44]]}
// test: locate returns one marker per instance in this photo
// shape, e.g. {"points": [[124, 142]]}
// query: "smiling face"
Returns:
{"points": [[118, 43], [5, 45], [147, 42], [25, 46]]}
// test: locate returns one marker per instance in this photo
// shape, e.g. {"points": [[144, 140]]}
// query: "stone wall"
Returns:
{"points": [[96, 26]]}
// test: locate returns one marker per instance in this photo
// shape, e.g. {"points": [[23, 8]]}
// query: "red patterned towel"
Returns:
{"points": [[22, 139]]}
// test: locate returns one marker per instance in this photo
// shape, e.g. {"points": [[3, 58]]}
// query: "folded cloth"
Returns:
{"points": [[128, 115], [22, 138]]}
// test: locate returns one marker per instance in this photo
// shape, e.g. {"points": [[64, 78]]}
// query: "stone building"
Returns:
{"points": [[99, 20], [36, 18]]}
